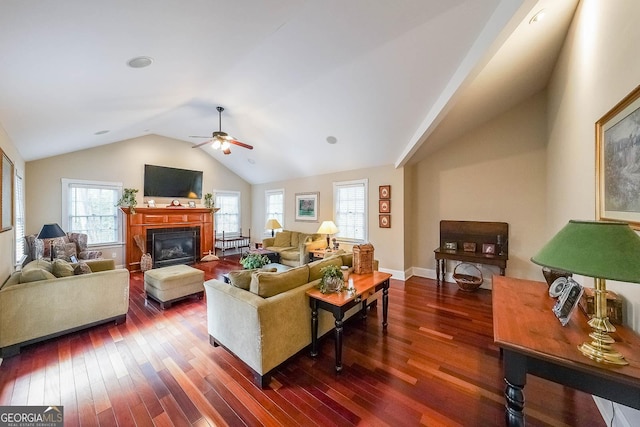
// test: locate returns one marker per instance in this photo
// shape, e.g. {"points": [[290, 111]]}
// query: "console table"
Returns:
{"points": [[477, 233], [534, 342]]}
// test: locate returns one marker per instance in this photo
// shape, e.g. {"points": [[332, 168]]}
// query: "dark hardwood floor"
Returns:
{"points": [[436, 365]]}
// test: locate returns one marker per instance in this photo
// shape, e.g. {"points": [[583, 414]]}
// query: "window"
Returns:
{"points": [[350, 210], [274, 207], [19, 198], [90, 207], [227, 219]]}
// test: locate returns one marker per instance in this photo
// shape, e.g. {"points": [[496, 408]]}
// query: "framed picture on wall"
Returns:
{"points": [[384, 221], [384, 206], [385, 192], [617, 157], [307, 206]]}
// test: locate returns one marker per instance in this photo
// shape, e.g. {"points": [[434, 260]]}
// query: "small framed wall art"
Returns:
{"points": [[384, 206], [384, 221], [307, 206], [385, 192]]}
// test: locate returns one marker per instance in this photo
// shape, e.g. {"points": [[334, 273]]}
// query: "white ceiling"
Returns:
{"points": [[382, 77]]}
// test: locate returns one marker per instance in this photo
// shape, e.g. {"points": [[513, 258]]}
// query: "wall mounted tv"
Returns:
{"points": [[161, 181]]}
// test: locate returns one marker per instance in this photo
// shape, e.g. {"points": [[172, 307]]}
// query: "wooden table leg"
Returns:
{"points": [[314, 327], [438, 272], [385, 303], [515, 377], [339, 329]]}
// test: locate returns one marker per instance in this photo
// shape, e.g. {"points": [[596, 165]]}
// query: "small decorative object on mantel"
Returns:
{"points": [[363, 259], [488, 248], [208, 201], [332, 279], [192, 204], [450, 246], [151, 203], [175, 203], [128, 199], [469, 246]]}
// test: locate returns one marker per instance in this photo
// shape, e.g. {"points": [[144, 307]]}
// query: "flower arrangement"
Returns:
{"points": [[128, 199], [208, 200], [332, 279], [251, 261]]}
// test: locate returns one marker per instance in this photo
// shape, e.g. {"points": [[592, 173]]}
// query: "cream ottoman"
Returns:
{"points": [[170, 284]]}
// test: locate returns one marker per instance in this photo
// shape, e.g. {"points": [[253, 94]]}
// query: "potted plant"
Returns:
{"points": [[251, 261], [128, 199], [208, 200], [332, 279]]}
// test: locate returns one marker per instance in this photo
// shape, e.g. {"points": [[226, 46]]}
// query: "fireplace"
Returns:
{"points": [[171, 246]]}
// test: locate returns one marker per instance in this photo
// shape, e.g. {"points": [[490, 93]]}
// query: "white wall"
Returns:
{"points": [[599, 66]]}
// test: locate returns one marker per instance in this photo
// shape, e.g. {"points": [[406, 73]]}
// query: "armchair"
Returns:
{"points": [[293, 246], [63, 247]]}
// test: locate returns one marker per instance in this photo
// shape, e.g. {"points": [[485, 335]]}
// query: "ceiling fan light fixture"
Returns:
{"points": [[225, 145], [216, 144]]}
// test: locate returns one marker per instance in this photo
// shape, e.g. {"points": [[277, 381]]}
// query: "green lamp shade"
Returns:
{"points": [[605, 250]]}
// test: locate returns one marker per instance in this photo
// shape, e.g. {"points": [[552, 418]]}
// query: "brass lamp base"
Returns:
{"points": [[600, 348]]}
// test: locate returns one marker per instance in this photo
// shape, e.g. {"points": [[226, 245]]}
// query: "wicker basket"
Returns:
{"points": [[468, 282]]}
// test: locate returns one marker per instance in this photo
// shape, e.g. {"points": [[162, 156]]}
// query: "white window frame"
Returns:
{"points": [[277, 215], [66, 200], [238, 195], [337, 186], [19, 218]]}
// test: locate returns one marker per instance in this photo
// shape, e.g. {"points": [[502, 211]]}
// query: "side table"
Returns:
{"points": [[339, 303]]}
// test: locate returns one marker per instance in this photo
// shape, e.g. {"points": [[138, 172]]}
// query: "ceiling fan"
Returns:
{"points": [[221, 140]]}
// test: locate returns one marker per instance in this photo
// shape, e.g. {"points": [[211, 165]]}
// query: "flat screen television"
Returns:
{"points": [[162, 181]]}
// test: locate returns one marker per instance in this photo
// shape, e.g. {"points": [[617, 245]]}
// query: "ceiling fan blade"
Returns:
{"points": [[198, 136], [227, 151], [241, 144], [201, 144]]}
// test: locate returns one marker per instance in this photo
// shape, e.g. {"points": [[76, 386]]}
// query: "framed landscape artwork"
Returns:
{"points": [[307, 206], [617, 162]]}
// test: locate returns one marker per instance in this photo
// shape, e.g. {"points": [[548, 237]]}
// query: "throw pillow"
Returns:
{"points": [[241, 278], [65, 251], [316, 266], [61, 268], [269, 284], [38, 263], [283, 239], [347, 259], [82, 268], [34, 275]]}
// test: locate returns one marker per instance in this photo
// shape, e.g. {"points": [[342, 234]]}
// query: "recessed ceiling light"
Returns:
{"points": [[332, 139], [101, 132], [537, 17], [253, 162], [140, 62]]}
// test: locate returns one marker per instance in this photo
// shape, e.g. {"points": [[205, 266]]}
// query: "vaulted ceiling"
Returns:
{"points": [[387, 82]]}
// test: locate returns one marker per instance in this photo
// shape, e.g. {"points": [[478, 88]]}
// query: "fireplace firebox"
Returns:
{"points": [[170, 246]]}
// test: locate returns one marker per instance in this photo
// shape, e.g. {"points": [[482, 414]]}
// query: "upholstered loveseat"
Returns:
{"points": [[294, 246], [35, 305], [63, 247], [264, 317]]}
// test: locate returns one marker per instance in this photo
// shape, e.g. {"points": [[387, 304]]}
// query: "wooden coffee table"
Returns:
{"points": [[339, 303]]}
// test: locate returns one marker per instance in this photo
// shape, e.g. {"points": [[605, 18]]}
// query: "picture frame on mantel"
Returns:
{"points": [[617, 156], [307, 205]]}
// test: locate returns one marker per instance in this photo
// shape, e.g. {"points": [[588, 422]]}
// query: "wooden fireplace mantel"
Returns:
{"points": [[169, 217]]}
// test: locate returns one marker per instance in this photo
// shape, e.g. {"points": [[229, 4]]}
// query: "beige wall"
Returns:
{"points": [[388, 242], [121, 162], [7, 239], [599, 66], [495, 173]]}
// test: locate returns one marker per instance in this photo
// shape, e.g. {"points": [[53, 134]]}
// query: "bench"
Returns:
{"points": [[233, 241], [475, 242]]}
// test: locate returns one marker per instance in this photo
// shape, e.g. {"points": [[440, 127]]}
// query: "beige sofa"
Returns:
{"points": [[35, 305], [294, 246], [264, 318]]}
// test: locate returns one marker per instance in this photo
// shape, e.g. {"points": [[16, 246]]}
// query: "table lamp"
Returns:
{"points": [[328, 228], [51, 231], [602, 250], [272, 224]]}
